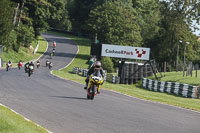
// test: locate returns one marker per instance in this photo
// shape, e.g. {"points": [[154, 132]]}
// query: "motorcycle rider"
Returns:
{"points": [[92, 61], [9, 63], [95, 67], [47, 63], [20, 64], [38, 63], [54, 44], [31, 64], [26, 66], [53, 51], [50, 65]]}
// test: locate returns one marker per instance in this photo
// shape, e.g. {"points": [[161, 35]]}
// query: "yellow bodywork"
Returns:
{"points": [[93, 80]]}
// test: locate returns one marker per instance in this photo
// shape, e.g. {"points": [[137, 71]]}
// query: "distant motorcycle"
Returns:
{"points": [[38, 64], [53, 51], [19, 64], [51, 54], [50, 65], [47, 63], [30, 70], [94, 85], [26, 69], [54, 44], [8, 66]]}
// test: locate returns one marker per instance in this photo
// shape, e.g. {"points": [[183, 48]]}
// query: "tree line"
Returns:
{"points": [[164, 26]]}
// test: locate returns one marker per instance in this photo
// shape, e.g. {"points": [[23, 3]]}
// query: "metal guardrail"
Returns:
{"points": [[176, 88], [36, 48]]}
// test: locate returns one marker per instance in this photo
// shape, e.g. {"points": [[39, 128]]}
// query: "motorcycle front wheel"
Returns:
{"points": [[94, 88], [88, 97], [29, 73]]}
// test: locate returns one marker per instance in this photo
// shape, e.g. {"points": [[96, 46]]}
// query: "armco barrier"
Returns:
{"points": [[108, 77], [184, 90], [36, 48], [112, 78]]}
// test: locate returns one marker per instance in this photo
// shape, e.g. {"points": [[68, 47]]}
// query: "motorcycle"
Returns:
{"points": [[38, 64], [47, 63], [30, 70], [26, 68], [53, 52], [8, 66], [94, 85], [54, 44], [50, 65], [20, 65]]}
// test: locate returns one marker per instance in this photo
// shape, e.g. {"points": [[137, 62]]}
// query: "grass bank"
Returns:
{"points": [[12, 123], [9, 121], [25, 54], [178, 77], [132, 90]]}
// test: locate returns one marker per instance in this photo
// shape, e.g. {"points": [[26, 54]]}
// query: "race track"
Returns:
{"points": [[61, 105]]}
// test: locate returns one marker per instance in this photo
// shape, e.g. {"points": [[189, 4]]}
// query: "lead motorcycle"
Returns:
{"points": [[94, 85]]}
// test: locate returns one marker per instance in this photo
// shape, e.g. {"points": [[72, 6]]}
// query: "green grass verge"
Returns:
{"points": [[132, 90], [178, 77], [24, 54], [12, 123]]}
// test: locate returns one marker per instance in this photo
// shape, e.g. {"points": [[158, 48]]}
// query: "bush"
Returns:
{"points": [[107, 64]]}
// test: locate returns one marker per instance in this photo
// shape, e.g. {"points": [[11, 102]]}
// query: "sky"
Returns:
{"points": [[197, 32]]}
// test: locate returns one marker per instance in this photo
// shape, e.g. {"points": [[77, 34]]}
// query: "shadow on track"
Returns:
{"points": [[77, 98]]}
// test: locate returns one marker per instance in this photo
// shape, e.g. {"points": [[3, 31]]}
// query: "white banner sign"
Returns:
{"points": [[125, 52]]}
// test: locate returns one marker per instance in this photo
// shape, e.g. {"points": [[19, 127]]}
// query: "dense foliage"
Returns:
{"points": [[158, 24], [107, 64], [115, 23]]}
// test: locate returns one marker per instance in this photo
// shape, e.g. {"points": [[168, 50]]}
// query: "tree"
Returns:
{"points": [[79, 12], [59, 15], [148, 18], [115, 23], [25, 35], [175, 25], [6, 19], [36, 14]]}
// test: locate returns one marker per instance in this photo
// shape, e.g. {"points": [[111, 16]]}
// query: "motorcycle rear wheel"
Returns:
{"points": [[88, 97]]}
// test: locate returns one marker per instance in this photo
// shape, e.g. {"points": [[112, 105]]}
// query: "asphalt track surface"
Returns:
{"points": [[61, 105]]}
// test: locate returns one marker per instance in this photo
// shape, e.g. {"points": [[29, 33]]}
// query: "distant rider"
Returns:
{"points": [[95, 67], [38, 63], [20, 64], [54, 44], [53, 51], [50, 65], [9, 63], [47, 63], [31, 64], [26, 66], [92, 61]]}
